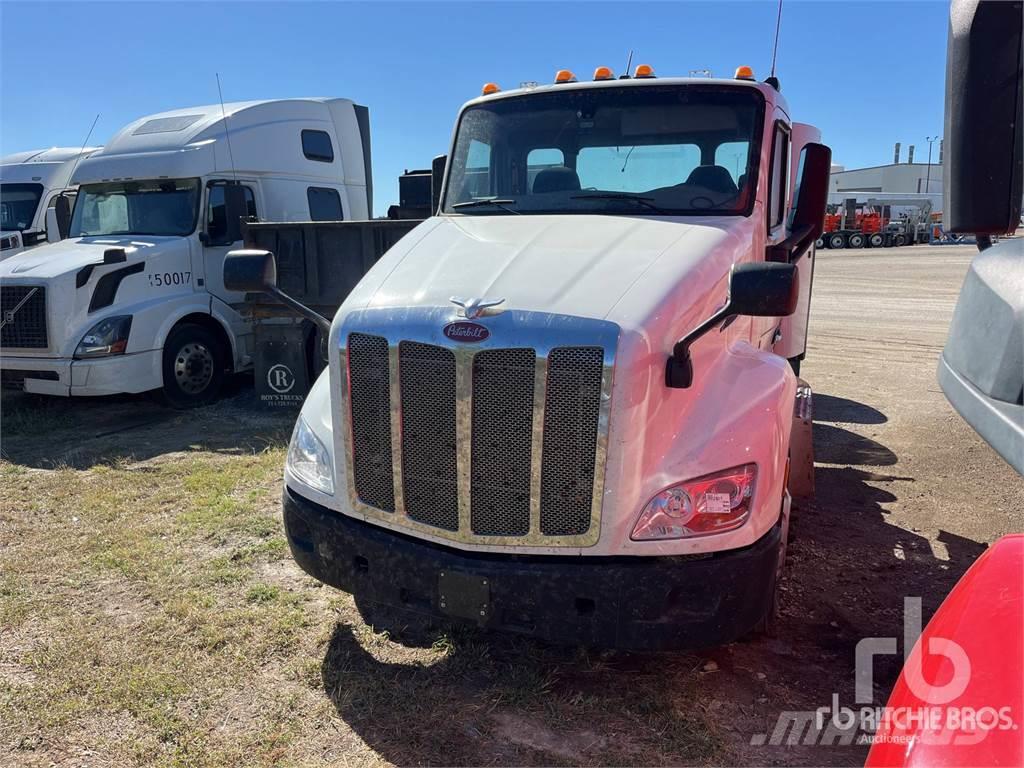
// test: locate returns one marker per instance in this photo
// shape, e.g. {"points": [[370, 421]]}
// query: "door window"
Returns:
{"points": [[779, 177], [216, 213]]}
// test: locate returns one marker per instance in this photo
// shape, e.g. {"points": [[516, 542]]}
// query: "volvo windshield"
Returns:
{"points": [[157, 207], [639, 150], [18, 204]]}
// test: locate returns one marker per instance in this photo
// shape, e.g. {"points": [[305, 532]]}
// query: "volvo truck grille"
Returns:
{"points": [[23, 317], [493, 445]]}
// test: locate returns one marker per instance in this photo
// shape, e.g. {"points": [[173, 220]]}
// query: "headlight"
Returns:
{"points": [[107, 337], [710, 504], [308, 459]]}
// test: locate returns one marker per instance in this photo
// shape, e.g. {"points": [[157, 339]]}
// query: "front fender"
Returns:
{"points": [[738, 411]]}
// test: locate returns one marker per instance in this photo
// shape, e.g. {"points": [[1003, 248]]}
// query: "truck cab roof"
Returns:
{"points": [[194, 141], [771, 95], [40, 165]]}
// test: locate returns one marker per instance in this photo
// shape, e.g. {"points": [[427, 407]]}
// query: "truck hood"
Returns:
{"points": [[578, 265], [55, 259]]}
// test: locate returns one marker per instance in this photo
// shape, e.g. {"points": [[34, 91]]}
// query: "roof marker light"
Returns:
{"points": [[744, 73], [489, 88], [604, 73], [564, 76], [643, 70]]}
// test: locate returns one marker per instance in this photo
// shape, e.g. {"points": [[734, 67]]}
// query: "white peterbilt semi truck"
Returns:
{"points": [[133, 300], [562, 405], [31, 183]]}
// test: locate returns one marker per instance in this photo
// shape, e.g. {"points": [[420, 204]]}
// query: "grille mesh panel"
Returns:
{"points": [[571, 415], [26, 328], [502, 436], [429, 445], [370, 396]]}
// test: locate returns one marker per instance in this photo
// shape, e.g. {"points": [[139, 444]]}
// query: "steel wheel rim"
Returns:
{"points": [[193, 368]]}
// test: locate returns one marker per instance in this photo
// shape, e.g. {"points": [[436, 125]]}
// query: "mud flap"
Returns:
{"points": [[801, 444]]}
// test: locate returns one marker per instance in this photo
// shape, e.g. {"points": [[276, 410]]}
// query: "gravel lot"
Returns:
{"points": [[149, 613]]}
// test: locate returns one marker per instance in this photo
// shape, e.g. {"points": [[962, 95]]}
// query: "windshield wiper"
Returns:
{"points": [[500, 203], [647, 202]]}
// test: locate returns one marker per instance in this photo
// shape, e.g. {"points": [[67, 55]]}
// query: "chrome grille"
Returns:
{"points": [[570, 436], [370, 403], [491, 443], [429, 466], [23, 317], [502, 436]]}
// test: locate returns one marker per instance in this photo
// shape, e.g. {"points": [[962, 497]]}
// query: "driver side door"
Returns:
{"points": [[215, 244]]}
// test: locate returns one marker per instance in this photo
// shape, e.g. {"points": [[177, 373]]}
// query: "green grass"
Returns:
{"points": [[150, 614]]}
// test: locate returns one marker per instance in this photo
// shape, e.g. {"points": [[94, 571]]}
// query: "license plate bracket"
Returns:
{"points": [[464, 595]]}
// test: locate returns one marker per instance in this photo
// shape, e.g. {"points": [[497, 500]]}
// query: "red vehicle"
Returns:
{"points": [[973, 647], [959, 700]]}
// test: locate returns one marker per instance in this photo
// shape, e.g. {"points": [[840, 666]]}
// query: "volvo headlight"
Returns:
{"points": [[107, 337], [308, 459]]}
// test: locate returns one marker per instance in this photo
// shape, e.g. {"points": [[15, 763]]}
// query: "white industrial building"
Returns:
{"points": [[891, 180]]}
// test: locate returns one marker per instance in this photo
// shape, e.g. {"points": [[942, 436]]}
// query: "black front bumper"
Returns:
{"points": [[650, 603]]}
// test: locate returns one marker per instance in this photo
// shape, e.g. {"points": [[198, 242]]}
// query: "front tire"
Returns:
{"points": [[193, 366]]}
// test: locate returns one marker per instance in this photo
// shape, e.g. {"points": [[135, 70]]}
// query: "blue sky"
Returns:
{"points": [[868, 74]]}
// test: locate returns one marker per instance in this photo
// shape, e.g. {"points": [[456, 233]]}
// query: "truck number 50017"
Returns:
{"points": [[169, 278]]}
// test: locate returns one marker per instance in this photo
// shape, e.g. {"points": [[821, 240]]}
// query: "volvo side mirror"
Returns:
{"points": [[235, 209], [984, 130], [807, 217], [756, 290], [62, 206], [255, 271], [52, 227]]}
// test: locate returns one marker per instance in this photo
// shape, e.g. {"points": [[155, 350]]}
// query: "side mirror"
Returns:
{"points": [[251, 271], [52, 227], [255, 271], [63, 208], [984, 131], [436, 180], [755, 290], [235, 209], [807, 217]]}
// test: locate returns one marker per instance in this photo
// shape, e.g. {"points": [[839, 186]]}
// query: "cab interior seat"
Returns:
{"points": [[557, 179]]}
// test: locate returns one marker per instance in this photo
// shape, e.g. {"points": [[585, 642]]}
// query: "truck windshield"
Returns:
{"points": [[157, 207], [18, 204], [631, 149]]}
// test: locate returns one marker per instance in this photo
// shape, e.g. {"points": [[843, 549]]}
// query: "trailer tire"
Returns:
{"points": [[876, 240], [819, 243], [856, 240], [836, 241], [193, 366]]}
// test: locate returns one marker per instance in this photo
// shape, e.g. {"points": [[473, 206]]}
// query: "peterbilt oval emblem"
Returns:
{"points": [[465, 332]]}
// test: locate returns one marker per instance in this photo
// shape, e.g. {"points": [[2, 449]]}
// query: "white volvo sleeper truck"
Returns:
{"points": [[562, 405], [134, 299], [31, 187]]}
